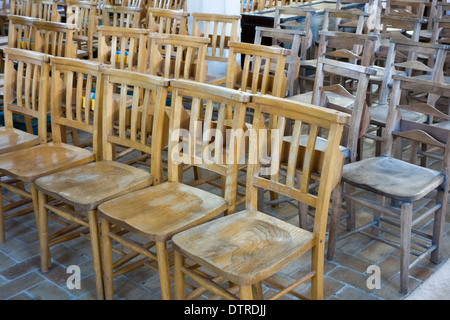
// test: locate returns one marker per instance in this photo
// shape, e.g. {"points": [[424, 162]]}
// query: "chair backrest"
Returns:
{"points": [[262, 69], [290, 24], [221, 29], [138, 124], [441, 24], [402, 22], [21, 32], [76, 99], [84, 15], [118, 16], [290, 39], [359, 110], [256, 5], [265, 166], [45, 10], [431, 133], [167, 4], [353, 17], [55, 38], [20, 7], [413, 58], [210, 140], [178, 56], [123, 48], [167, 21], [27, 87]]}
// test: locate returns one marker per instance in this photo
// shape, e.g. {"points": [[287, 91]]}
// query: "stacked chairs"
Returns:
{"points": [[161, 211], [245, 249], [401, 181]]}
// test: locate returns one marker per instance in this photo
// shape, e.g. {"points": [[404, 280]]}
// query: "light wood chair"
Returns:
{"points": [[167, 21], [20, 7], [157, 213], [178, 56], [123, 48], [401, 181], [167, 4], [221, 29], [21, 32], [247, 248], [290, 39], [81, 197], [84, 15], [45, 10], [119, 16], [56, 38], [25, 95], [27, 165]]}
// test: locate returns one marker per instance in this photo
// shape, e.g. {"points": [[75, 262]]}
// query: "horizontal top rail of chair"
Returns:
{"points": [[179, 37], [215, 16], [124, 32], [205, 88], [425, 45], [399, 18], [250, 49], [295, 10], [136, 77], [21, 54], [281, 31], [433, 87], [30, 20], [74, 64], [169, 11], [55, 25], [346, 66], [301, 111], [342, 34], [121, 9], [350, 13]]}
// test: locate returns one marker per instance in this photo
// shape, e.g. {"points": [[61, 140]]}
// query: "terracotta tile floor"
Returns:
{"points": [[345, 277]]}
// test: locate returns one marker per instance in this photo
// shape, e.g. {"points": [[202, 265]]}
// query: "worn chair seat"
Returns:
{"points": [[244, 247], [32, 163], [333, 98], [378, 114], [89, 185], [12, 139], [393, 178], [159, 212]]}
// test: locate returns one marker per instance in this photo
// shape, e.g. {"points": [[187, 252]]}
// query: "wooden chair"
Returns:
{"points": [[21, 32], [84, 15], [20, 7], [410, 58], [81, 197], [289, 39], [27, 165], [221, 29], [247, 248], [118, 16], [167, 4], [257, 5], [183, 206], [45, 10], [123, 48], [56, 38], [178, 56], [441, 31], [167, 21], [401, 181], [250, 77], [24, 94]]}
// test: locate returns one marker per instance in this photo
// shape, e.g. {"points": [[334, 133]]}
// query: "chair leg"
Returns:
{"points": [[107, 260], [439, 224], [163, 269], [317, 265], [335, 217], [43, 233], [405, 245], [96, 254], [258, 291], [246, 292], [2, 220], [179, 279]]}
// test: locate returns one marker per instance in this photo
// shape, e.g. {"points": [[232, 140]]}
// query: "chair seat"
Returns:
{"points": [[159, 212], [12, 139], [215, 79], [309, 63], [35, 162], [393, 178], [333, 98], [378, 114], [89, 185], [245, 247]]}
